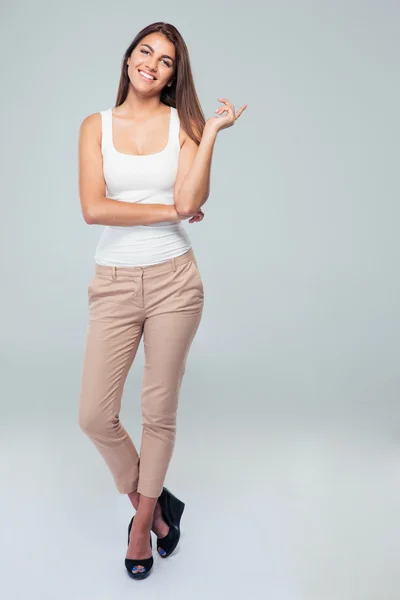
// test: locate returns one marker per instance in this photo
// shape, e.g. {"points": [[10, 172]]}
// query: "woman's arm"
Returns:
{"points": [[96, 208], [192, 185]]}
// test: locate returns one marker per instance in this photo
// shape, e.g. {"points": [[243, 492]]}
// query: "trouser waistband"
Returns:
{"points": [[167, 265]]}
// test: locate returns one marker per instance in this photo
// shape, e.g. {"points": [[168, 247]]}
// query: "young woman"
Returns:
{"points": [[144, 166]]}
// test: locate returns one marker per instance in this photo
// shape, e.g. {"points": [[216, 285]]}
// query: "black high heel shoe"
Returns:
{"points": [[130, 563], [172, 510]]}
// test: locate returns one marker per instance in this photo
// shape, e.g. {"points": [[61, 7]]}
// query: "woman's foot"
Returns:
{"points": [[159, 526], [139, 544]]}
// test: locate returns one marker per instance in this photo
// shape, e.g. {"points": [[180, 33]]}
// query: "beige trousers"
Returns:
{"points": [[164, 302]]}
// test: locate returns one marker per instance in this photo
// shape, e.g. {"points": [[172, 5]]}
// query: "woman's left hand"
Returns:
{"points": [[197, 217], [227, 120]]}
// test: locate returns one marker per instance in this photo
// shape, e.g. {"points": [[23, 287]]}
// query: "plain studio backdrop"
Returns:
{"points": [[287, 449]]}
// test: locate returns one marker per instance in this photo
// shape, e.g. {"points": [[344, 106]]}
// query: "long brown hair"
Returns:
{"points": [[182, 93]]}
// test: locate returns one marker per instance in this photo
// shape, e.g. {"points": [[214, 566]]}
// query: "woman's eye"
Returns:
{"points": [[165, 61]]}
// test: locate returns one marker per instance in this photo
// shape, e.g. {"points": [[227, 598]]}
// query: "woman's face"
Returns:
{"points": [[155, 55]]}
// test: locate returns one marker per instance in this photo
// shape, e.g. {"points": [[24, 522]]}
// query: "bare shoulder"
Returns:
{"points": [[91, 125]]}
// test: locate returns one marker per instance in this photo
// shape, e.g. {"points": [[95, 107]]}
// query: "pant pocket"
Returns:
{"points": [[197, 274], [120, 292]]}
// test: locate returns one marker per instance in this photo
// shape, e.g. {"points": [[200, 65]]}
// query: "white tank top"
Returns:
{"points": [[145, 179]]}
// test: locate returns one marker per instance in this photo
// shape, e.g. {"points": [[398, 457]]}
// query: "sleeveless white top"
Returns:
{"points": [[145, 179]]}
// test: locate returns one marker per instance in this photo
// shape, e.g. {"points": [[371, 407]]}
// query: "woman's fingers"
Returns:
{"points": [[239, 112], [196, 218], [228, 105], [226, 108]]}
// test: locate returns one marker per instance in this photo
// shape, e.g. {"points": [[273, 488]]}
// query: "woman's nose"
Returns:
{"points": [[152, 67]]}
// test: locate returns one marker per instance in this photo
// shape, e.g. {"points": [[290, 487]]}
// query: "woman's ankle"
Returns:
{"points": [[134, 497]]}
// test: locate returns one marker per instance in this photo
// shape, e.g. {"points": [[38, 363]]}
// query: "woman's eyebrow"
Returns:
{"points": [[163, 56]]}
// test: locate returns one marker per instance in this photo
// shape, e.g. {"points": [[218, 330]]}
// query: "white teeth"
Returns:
{"points": [[145, 75]]}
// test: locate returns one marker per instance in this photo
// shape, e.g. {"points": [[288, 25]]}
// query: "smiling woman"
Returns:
{"points": [[144, 165], [168, 60], [146, 75]]}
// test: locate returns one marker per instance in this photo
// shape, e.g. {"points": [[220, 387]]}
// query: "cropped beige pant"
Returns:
{"points": [[164, 302]]}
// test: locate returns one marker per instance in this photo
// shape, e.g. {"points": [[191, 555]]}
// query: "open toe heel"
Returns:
{"points": [[172, 509], [132, 564]]}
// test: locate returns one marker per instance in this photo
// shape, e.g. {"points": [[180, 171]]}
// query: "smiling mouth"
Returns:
{"points": [[147, 78]]}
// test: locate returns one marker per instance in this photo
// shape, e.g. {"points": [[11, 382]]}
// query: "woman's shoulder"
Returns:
{"points": [[91, 125], [92, 120]]}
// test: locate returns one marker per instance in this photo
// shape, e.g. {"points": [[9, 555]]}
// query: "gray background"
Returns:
{"points": [[287, 451]]}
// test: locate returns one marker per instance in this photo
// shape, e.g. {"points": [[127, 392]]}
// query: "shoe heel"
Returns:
{"points": [[172, 507], [177, 508]]}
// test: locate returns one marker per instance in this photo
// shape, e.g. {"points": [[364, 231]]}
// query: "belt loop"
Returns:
{"points": [[114, 273], [173, 264]]}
